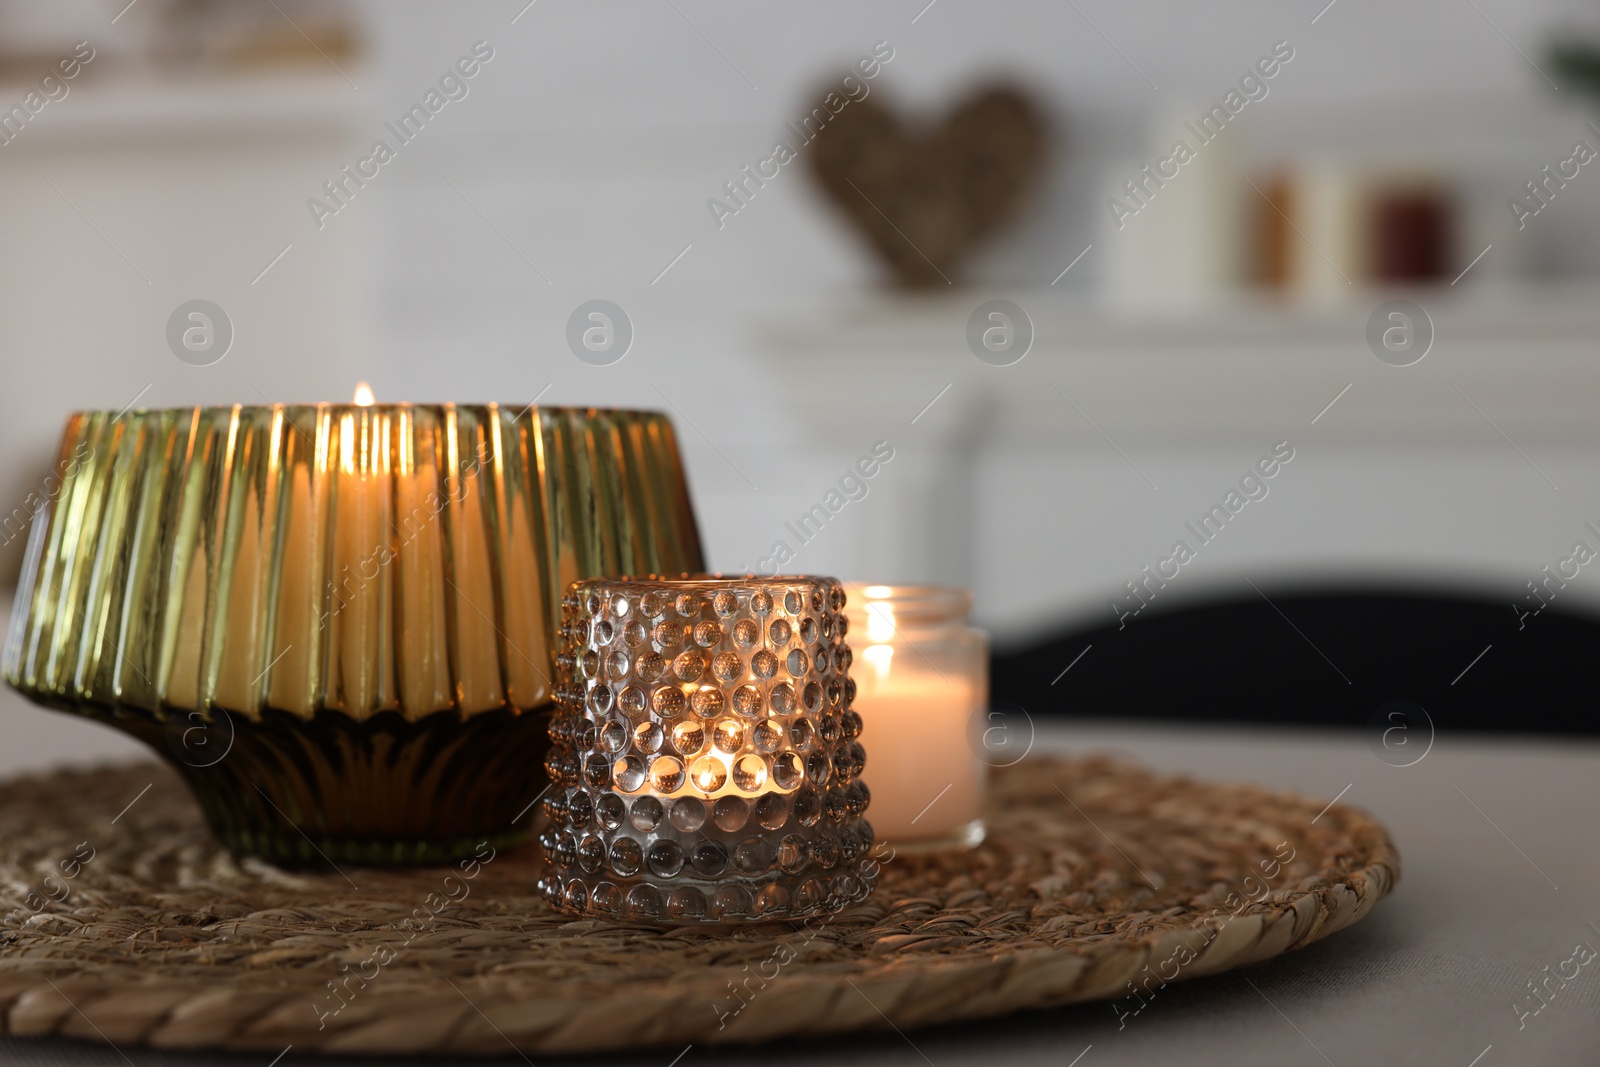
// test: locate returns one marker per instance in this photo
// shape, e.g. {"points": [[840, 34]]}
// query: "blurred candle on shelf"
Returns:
{"points": [[922, 681]]}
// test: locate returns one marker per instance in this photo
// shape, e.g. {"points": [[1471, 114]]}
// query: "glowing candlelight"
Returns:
{"points": [[360, 640], [923, 686], [711, 717], [337, 619]]}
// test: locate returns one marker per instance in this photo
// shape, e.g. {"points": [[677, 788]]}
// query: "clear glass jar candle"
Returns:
{"points": [[922, 682]]}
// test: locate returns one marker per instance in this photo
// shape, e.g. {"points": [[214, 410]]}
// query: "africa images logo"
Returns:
{"points": [[342, 188], [743, 186], [1252, 86]]}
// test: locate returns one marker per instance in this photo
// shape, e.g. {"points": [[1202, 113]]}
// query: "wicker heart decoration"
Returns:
{"points": [[924, 199]]}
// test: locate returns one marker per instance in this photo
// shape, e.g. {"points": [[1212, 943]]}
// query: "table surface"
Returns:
{"points": [[1500, 876]]}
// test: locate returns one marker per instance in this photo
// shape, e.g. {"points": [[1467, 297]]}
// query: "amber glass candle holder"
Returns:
{"points": [[706, 762], [336, 621]]}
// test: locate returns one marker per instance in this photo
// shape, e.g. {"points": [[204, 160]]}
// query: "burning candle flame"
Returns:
{"points": [[363, 397]]}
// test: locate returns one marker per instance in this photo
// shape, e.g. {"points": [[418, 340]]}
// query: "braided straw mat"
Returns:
{"points": [[1096, 876]]}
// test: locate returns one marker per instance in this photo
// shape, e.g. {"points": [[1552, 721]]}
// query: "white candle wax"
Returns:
{"points": [[926, 782]]}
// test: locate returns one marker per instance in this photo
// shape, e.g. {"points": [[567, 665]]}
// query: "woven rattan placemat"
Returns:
{"points": [[126, 923]]}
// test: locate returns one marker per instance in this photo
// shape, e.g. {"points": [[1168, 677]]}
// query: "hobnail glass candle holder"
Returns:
{"points": [[705, 761]]}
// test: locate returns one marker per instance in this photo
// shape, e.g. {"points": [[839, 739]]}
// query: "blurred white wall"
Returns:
{"points": [[596, 136], [578, 167]]}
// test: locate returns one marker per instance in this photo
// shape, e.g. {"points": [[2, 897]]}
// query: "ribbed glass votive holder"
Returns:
{"points": [[705, 761], [337, 620]]}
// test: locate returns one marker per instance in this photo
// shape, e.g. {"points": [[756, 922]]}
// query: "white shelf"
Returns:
{"points": [[1243, 369], [105, 107]]}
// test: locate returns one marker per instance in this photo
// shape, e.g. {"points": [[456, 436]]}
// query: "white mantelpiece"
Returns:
{"points": [[1037, 483]]}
